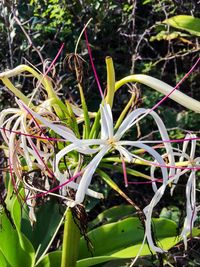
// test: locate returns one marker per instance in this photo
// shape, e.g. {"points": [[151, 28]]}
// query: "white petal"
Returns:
{"points": [[80, 146], [191, 211], [125, 153], [183, 155], [88, 173], [12, 150], [128, 122], [106, 122], [64, 132], [7, 125], [89, 192], [151, 151], [149, 209]]}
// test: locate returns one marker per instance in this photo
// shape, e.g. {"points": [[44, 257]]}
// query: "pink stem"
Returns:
{"points": [[93, 67], [53, 62], [57, 187], [178, 84], [33, 136], [147, 182], [124, 172], [63, 140]]}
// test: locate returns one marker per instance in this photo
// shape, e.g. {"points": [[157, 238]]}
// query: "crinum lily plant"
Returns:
{"points": [[67, 145]]}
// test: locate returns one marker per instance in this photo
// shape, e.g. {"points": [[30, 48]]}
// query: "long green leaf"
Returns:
{"points": [[186, 23], [112, 215], [122, 234], [3, 261], [48, 219], [119, 240], [127, 253], [16, 249], [52, 259]]}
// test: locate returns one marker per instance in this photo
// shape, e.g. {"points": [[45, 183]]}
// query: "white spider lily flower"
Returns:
{"points": [[109, 141], [16, 130], [68, 136], [191, 208]]}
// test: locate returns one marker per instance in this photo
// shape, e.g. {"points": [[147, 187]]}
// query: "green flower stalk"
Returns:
{"points": [[57, 104], [71, 237], [110, 81], [163, 88]]}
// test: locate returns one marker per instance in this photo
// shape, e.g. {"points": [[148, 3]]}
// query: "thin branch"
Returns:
{"points": [[28, 38]]}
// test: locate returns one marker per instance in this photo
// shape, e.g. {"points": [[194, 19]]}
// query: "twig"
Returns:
{"points": [[28, 38], [168, 129]]}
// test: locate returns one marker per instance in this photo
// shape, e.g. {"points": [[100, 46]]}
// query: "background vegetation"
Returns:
{"points": [[131, 32]]}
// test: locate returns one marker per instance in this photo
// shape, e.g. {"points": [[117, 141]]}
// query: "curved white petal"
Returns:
{"points": [[64, 132], [80, 146], [178, 171], [124, 152], [148, 210], [24, 143], [106, 122], [88, 173], [62, 178], [128, 122], [183, 155], [7, 125], [165, 136], [12, 149], [152, 152], [191, 210]]}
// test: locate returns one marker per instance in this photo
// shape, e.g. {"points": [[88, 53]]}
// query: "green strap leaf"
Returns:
{"points": [[186, 23], [15, 248], [41, 234], [123, 234]]}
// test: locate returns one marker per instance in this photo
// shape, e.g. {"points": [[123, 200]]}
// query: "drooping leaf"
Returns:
{"points": [[48, 219], [126, 253], [165, 35], [52, 259], [111, 238], [186, 23], [14, 246], [3, 261], [112, 215], [119, 240]]}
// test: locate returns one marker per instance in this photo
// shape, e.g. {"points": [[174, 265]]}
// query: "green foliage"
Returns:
{"points": [[15, 249], [51, 15], [172, 213], [52, 259], [112, 215], [48, 220], [186, 23], [120, 239], [165, 35]]}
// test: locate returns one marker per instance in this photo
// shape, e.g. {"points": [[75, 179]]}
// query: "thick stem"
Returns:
{"points": [[110, 81], [163, 88], [71, 237]]}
